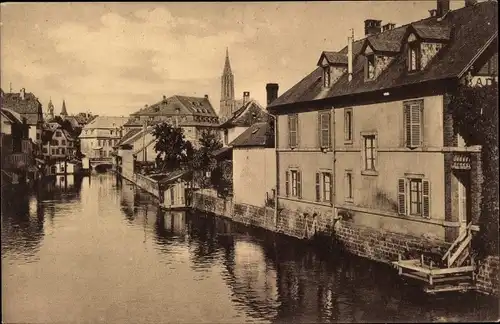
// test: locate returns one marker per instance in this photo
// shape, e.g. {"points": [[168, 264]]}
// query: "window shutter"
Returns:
{"points": [[287, 183], [299, 186], [415, 121], [331, 187], [426, 190], [318, 190], [320, 143], [289, 133], [407, 124], [401, 196]]}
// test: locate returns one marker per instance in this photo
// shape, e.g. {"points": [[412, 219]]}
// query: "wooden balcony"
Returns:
{"points": [[19, 160]]}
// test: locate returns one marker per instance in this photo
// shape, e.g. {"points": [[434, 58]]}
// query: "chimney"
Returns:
{"points": [[350, 40], [22, 93], [164, 97], [272, 92], [443, 6], [206, 96], [388, 26], [372, 26], [146, 106], [246, 97], [469, 3], [432, 12]]}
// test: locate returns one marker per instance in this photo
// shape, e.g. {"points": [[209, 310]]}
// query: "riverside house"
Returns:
{"points": [[368, 134]]}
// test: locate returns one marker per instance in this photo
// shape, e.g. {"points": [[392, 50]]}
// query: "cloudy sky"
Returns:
{"points": [[113, 58]]}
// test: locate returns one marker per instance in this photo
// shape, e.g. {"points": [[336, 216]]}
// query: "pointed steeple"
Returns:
{"points": [[63, 109], [227, 89], [227, 65]]}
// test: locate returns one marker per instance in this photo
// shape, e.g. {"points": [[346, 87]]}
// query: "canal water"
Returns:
{"points": [[97, 250]]}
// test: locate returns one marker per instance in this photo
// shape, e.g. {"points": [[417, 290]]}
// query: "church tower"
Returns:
{"points": [[227, 90], [64, 113], [50, 110]]}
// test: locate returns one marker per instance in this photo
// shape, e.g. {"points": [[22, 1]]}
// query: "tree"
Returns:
{"points": [[475, 113], [202, 158], [171, 147]]}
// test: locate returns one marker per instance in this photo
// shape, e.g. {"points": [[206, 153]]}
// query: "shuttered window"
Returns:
{"points": [[295, 184], [287, 183], [324, 129], [318, 186], [299, 185], [348, 125], [413, 124], [293, 130], [327, 186], [414, 197]]}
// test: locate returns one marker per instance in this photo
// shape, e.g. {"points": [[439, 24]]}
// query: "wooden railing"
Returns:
{"points": [[460, 247], [17, 160]]}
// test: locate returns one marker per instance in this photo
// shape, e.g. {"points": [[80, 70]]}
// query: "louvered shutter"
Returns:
{"points": [[325, 130], [407, 123], [287, 183], [318, 188], [401, 196], [416, 124], [331, 188], [299, 186], [320, 143], [289, 132], [426, 191]]}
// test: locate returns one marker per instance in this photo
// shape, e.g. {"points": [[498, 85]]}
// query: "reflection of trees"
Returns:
{"points": [[22, 229], [203, 239]]}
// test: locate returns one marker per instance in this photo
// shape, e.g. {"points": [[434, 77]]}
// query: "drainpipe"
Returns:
{"points": [[277, 170]]}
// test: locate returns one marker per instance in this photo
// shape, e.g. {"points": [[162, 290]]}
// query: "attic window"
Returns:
{"points": [[370, 67], [326, 76], [413, 56]]}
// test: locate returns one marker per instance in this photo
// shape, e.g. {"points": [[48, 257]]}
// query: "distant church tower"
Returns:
{"points": [[64, 113], [227, 90], [50, 110]]}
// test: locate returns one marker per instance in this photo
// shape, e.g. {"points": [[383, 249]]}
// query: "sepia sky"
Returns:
{"points": [[113, 58]]}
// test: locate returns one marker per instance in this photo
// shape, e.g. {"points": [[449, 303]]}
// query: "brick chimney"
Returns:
{"points": [[22, 92], [272, 92], [442, 7], [206, 96], [246, 97], [469, 3], [388, 26], [372, 26]]}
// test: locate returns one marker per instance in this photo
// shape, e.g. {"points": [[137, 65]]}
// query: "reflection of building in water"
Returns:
{"points": [[22, 223], [175, 222], [56, 188], [253, 279]]}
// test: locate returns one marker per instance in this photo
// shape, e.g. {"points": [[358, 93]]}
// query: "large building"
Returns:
{"points": [[28, 107], [100, 135], [369, 131]]}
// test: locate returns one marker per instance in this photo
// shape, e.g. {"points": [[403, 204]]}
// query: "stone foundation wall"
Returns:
{"points": [[374, 244], [487, 275]]}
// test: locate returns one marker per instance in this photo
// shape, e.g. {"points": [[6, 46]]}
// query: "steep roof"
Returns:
{"points": [[470, 30], [128, 135], [106, 122], [259, 134], [334, 57], [200, 106], [243, 116], [29, 107], [12, 116]]}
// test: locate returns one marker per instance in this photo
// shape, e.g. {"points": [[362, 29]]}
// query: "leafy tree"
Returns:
{"points": [[172, 149], [475, 113], [202, 158]]}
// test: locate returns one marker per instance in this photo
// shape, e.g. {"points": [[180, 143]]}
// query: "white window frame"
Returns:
{"points": [[364, 137], [321, 129], [406, 199], [410, 108], [414, 63], [294, 118]]}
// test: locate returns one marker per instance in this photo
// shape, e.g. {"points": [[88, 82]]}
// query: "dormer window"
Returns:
{"points": [[413, 56], [326, 76], [370, 67]]}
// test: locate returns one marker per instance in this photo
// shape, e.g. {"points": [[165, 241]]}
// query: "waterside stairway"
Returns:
{"points": [[454, 271]]}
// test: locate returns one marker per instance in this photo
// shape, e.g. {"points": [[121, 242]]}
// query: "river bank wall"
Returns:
{"points": [[376, 245]]}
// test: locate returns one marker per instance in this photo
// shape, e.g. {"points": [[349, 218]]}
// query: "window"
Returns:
{"points": [[369, 152], [54, 142], [63, 150], [110, 143], [413, 56], [348, 125], [414, 197], [38, 136], [349, 189], [293, 123], [63, 142], [370, 67], [53, 151], [226, 137], [326, 76], [98, 142], [324, 186], [44, 150], [413, 112], [293, 184], [324, 129], [58, 134]]}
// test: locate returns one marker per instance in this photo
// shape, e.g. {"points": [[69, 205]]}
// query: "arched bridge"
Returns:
{"points": [[101, 163]]}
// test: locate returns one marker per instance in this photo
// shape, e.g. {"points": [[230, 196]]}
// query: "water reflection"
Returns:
{"points": [[155, 266]]}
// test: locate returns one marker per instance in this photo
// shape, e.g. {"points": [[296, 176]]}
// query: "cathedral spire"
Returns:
{"points": [[50, 109], [63, 109], [227, 89]]}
